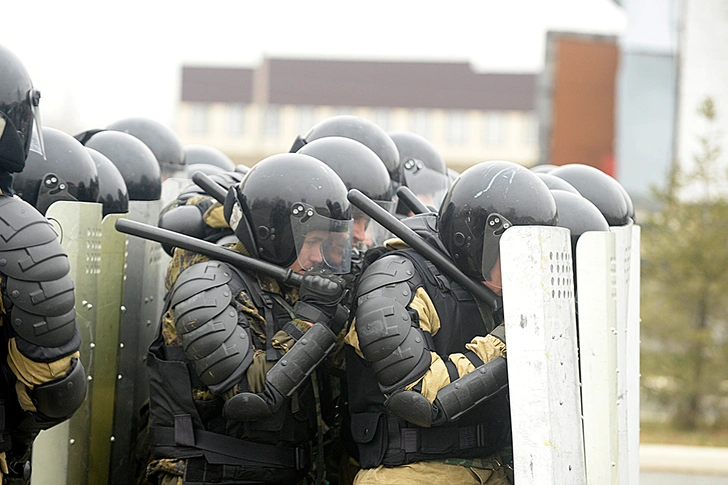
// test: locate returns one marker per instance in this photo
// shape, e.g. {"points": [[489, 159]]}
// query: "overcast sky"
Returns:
{"points": [[97, 61]]}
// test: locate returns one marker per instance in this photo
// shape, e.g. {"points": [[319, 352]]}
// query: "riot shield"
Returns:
{"points": [[597, 321], [61, 454], [108, 319], [627, 359], [142, 304], [543, 374]]}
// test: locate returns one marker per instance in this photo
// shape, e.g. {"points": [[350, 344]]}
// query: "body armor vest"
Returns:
{"points": [[271, 450], [384, 439]]}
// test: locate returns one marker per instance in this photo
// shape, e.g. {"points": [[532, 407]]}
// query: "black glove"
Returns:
{"points": [[319, 294]]}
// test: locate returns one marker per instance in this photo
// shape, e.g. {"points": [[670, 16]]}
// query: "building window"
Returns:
{"points": [[305, 119], [420, 122], [198, 119], [457, 128], [272, 122], [494, 129], [236, 119], [380, 117]]}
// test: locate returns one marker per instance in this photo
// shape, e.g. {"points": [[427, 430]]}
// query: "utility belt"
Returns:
{"points": [[225, 450], [384, 439]]}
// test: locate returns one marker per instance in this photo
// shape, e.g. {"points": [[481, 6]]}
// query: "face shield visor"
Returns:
{"points": [[495, 226], [32, 126], [430, 186], [321, 240], [24, 119], [369, 233]]}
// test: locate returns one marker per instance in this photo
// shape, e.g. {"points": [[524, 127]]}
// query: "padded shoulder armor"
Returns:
{"points": [[18, 221], [389, 339], [36, 271], [390, 275], [209, 325]]}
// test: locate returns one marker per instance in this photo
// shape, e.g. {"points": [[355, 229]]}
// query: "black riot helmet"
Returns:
{"points": [[599, 188], [205, 154], [363, 131], [290, 207], [425, 171], [359, 168], [135, 162], [543, 168], [113, 195], [164, 143], [66, 172], [578, 215], [223, 179], [20, 127], [556, 183], [205, 168], [484, 201]]}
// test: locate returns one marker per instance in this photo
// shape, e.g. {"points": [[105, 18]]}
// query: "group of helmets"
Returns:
{"points": [[271, 206]]}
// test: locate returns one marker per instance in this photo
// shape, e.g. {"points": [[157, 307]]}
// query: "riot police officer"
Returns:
{"points": [[43, 381], [426, 361], [425, 171], [231, 398]]}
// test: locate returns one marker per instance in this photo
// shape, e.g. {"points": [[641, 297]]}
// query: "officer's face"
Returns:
{"points": [[310, 252], [495, 282], [360, 232]]}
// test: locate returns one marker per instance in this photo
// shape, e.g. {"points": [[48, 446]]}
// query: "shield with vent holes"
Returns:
{"points": [[543, 371]]}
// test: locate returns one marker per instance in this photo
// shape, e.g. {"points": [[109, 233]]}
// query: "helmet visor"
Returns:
{"points": [[495, 226], [430, 186], [368, 233], [321, 240]]}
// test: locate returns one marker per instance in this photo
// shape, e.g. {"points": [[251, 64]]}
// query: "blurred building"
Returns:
{"points": [[576, 100], [251, 113]]}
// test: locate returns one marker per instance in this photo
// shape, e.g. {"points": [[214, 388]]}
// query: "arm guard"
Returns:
{"points": [[209, 324], [37, 283], [388, 337], [453, 400]]}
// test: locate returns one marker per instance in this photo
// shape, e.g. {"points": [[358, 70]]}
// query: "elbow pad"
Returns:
{"points": [[60, 398]]}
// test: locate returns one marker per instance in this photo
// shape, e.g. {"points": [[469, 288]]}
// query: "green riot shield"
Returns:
{"points": [[106, 366], [143, 297], [61, 454]]}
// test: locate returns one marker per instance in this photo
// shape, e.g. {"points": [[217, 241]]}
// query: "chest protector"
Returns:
{"points": [[384, 439], [272, 450]]}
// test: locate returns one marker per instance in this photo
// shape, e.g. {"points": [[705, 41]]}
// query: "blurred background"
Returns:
{"points": [[637, 88]]}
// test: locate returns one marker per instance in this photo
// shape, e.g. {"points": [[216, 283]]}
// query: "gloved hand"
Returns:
{"points": [[319, 294]]}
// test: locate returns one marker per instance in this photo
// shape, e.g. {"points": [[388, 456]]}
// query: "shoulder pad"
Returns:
{"points": [[201, 307], [46, 331], [198, 278], [21, 225], [185, 219], [48, 298], [43, 262], [384, 272]]}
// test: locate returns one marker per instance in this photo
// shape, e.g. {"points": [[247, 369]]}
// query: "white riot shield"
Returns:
{"points": [[61, 454], [633, 356], [627, 359], [143, 297], [543, 374], [172, 187], [597, 320]]}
